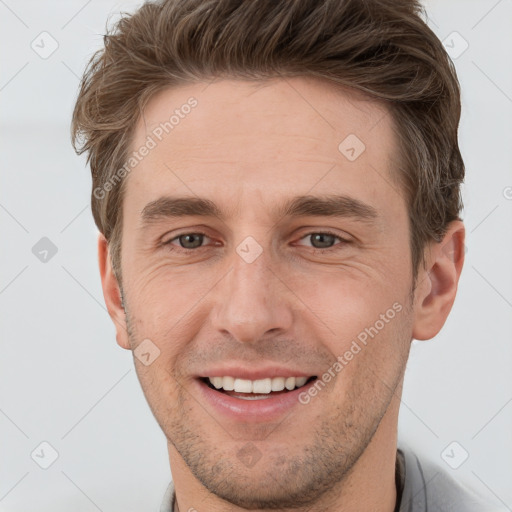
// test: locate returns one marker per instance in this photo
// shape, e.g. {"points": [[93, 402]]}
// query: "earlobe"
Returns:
{"points": [[437, 284], [112, 293]]}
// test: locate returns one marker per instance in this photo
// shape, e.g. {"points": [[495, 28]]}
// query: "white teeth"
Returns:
{"points": [[278, 383], [255, 397], [300, 381], [260, 386], [243, 386], [217, 382], [290, 383], [228, 383]]}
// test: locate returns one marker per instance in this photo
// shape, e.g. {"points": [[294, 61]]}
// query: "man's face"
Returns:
{"points": [[260, 294]]}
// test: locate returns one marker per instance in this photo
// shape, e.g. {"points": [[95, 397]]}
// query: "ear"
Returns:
{"points": [[112, 293], [437, 283]]}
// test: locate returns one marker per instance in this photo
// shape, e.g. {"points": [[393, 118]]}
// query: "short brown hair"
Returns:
{"points": [[380, 47]]}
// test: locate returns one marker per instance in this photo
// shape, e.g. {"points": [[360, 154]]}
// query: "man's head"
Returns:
{"points": [[290, 209], [380, 48]]}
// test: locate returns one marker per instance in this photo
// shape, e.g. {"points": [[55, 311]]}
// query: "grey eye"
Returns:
{"points": [[190, 240], [322, 240]]}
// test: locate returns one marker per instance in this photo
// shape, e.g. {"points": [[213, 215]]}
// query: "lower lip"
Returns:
{"points": [[263, 410]]}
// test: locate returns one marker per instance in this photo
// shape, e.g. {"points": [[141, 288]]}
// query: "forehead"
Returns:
{"points": [[299, 107], [263, 139]]}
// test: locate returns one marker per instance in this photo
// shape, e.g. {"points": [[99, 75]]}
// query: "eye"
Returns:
{"points": [[324, 240], [188, 241]]}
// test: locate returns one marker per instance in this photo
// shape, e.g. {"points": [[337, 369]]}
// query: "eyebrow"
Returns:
{"points": [[300, 206], [329, 206]]}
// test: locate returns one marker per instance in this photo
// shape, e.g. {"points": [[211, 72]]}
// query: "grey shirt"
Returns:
{"points": [[425, 488], [429, 488]]}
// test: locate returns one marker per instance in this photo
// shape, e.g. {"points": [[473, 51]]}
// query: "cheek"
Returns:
{"points": [[165, 307], [365, 323], [348, 299], [168, 293], [371, 362]]}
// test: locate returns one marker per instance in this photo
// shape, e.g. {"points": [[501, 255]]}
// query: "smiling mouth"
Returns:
{"points": [[260, 389]]}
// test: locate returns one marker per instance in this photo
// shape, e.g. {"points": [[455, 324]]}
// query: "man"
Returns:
{"points": [[276, 184]]}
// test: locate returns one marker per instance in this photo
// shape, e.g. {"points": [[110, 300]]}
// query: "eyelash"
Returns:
{"points": [[335, 247]]}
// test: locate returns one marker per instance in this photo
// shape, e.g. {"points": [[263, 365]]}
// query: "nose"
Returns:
{"points": [[252, 301]]}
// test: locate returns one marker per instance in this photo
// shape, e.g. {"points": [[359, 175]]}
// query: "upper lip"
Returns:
{"points": [[239, 372]]}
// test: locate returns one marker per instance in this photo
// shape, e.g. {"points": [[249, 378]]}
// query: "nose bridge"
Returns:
{"points": [[251, 300]]}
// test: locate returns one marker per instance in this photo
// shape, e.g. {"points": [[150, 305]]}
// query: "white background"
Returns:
{"points": [[64, 380]]}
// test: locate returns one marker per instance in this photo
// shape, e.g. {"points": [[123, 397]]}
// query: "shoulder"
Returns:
{"points": [[429, 488], [168, 501]]}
